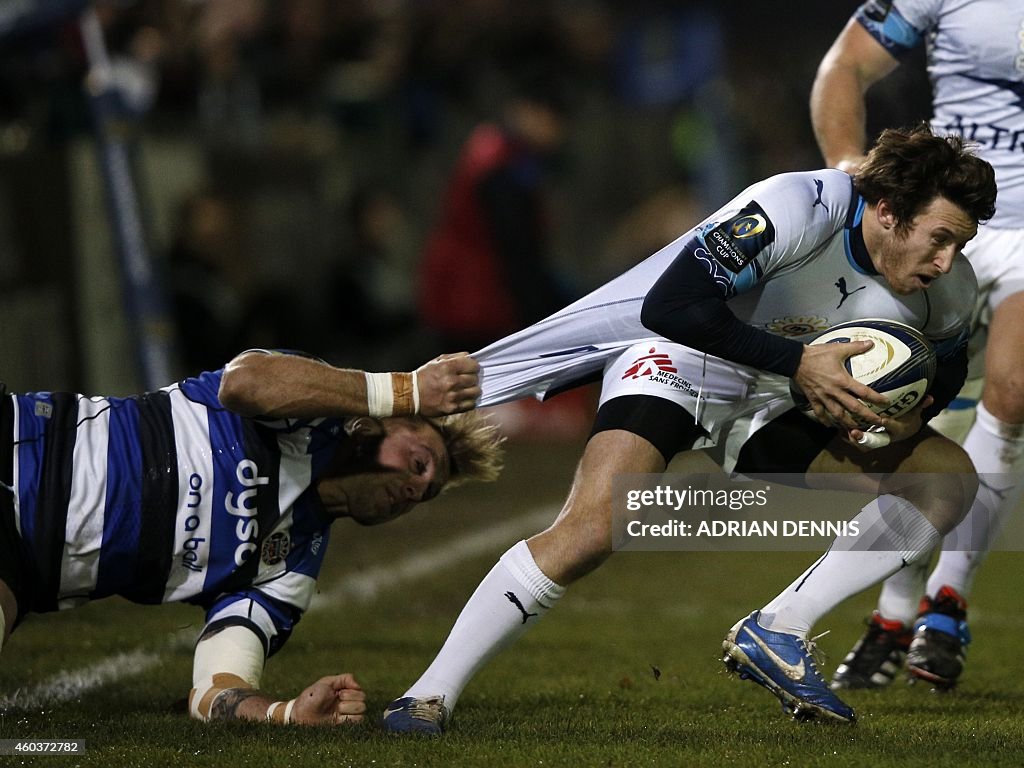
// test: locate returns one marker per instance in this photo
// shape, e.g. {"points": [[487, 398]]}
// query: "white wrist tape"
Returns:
{"points": [[282, 719], [392, 394], [380, 397], [872, 440]]}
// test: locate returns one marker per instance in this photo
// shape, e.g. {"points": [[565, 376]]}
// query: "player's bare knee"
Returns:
{"points": [[1004, 396], [939, 480], [574, 546]]}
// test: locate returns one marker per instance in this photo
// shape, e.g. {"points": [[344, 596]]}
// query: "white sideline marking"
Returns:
{"points": [[363, 587], [71, 684]]}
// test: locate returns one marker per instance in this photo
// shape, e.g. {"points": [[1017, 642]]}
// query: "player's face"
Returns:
{"points": [[413, 465], [910, 260]]}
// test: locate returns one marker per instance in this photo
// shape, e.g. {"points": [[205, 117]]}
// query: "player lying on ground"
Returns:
{"points": [[974, 60], [711, 329], [220, 491]]}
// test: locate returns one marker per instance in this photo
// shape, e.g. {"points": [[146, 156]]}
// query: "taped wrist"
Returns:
{"points": [[392, 394], [205, 693], [280, 712]]}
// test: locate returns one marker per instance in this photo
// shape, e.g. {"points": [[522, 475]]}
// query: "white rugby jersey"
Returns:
{"points": [[168, 496], [975, 52], [788, 255]]}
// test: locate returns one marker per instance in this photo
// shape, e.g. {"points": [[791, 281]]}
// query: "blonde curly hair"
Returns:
{"points": [[474, 447]]}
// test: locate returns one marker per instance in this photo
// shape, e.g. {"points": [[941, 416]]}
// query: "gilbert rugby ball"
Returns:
{"points": [[900, 365]]}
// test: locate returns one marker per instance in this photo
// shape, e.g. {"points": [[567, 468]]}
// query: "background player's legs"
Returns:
{"points": [[996, 446], [901, 593], [535, 573], [992, 433]]}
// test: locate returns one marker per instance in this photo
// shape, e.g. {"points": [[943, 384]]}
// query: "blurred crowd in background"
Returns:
{"points": [[351, 157]]}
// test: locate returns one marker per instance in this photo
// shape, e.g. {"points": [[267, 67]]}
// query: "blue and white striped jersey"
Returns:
{"points": [[168, 496], [975, 52]]}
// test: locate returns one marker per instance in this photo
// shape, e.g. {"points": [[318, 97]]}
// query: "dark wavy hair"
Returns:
{"points": [[910, 167]]}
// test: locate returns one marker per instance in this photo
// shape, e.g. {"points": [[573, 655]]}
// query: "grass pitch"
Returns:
{"points": [[625, 672]]}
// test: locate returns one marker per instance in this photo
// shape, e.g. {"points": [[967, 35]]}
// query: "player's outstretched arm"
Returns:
{"points": [[291, 386]]}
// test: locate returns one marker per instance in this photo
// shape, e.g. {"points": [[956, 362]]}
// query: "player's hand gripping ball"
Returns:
{"points": [[901, 364]]}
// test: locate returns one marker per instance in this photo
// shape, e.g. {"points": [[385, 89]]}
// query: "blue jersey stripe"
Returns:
{"points": [[124, 494], [29, 453]]}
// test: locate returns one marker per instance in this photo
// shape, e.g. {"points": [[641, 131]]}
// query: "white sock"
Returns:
{"points": [[510, 600], [901, 592], [997, 450], [892, 534]]}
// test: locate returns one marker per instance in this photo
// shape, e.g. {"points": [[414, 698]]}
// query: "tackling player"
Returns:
{"points": [[220, 491], [726, 309], [976, 64]]}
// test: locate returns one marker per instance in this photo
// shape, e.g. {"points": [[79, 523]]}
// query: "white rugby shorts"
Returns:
{"points": [[713, 391], [997, 256]]}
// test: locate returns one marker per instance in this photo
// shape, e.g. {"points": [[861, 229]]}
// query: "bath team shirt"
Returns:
{"points": [[168, 496]]}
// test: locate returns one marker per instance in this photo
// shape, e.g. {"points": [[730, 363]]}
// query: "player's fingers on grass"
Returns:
{"points": [[343, 681], [343, 719], [350, 708], [351, 694]]}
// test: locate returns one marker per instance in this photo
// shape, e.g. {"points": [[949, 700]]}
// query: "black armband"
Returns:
{"points": [[685, 306]]}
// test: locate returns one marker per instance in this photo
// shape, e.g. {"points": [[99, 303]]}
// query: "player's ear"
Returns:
{"points": [[885, 214], [364, 427], [367, 433]]}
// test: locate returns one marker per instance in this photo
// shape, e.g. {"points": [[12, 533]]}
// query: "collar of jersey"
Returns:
{"points": [[853, 240]]}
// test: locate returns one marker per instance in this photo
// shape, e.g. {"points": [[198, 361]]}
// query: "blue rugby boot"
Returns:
{"points": [[783, 664], [428, 716], [939, 649]]}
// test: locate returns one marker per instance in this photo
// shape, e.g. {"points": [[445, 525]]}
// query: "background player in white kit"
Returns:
{"points": [[725, 309], [975, 54]]}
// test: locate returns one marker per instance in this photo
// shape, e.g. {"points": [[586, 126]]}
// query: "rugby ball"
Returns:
{"points": [[900, 365]]}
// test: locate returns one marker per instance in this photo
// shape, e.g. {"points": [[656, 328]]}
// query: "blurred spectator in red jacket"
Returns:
{"points": [[485, 270]]}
